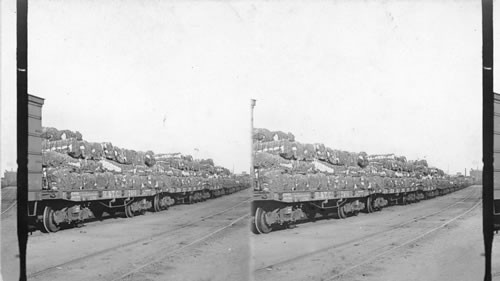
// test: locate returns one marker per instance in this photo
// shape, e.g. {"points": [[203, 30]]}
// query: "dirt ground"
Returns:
{"points": [[209, 241], [382, 245], [9, 252], [204, 241]]}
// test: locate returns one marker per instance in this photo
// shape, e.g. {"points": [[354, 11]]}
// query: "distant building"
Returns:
{"points": [[477, 175], [9, 178]]}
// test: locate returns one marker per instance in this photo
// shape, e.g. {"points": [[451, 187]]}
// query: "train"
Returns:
{"points": [[277, 210], [281, 200], [49, 210]]}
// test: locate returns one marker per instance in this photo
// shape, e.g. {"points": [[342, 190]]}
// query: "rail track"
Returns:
{"points": [[167, 236], [408, 242], [164, 255], [366, 239], [8, 208]]}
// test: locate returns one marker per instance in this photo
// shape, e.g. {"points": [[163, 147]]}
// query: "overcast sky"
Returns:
{"points": [[377, 76]]}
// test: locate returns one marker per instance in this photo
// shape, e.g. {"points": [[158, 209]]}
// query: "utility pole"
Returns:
{"points": [[488, 128], [252, 174], [22, 133]]}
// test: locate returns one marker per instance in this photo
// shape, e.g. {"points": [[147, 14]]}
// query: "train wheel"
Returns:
{"points": [[260, 221], [156, 203], [369, 206], [48, 220], [253, 227], [340, 214], [128, 211]]}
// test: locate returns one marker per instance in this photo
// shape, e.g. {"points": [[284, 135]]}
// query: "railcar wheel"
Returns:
{"points": [[369, 205], [260, 221], [340, 213], [48, 220], [128, 211], [253, 227], [156, 203]]}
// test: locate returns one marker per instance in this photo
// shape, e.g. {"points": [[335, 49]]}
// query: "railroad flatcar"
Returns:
{"points": [[278, 209], [49, 209]]}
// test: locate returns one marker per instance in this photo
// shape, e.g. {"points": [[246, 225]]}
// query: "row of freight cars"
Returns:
{"points": [[272, 210], [297, 182], [71, 180]]}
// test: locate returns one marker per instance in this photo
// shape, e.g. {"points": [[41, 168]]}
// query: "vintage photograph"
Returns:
{"points": [[367, 143], [138, 153], [246, 140]]}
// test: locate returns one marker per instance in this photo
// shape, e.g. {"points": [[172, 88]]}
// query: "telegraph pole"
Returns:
{"points": [[252, 174], [22, 133], [488, 128]]}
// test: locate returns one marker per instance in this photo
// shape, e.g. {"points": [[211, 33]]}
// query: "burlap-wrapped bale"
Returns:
{"points": [[331, 156], [120, 181], [90, 166], [112, 167], [50, 133], [303, 167], [75, 181], [207, 161], [262, 135], [137, 181], [101, 181], [55, 159], [110, 178], [107, 148], [267, 160], [271, 180], [96, 151], [187, 157], [401, 159], [298, 151], [332, 182], [388, 182], [54, 134], [363, 159], [67, 134], [287, 150], [422, 162], [58, 179], [89, 181], [130, 156], [129, 180], [320, 150], [85, 149], [70, 147], [309, 152], [119, 156], [376, 182], [279, 135], [149, 158]]}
